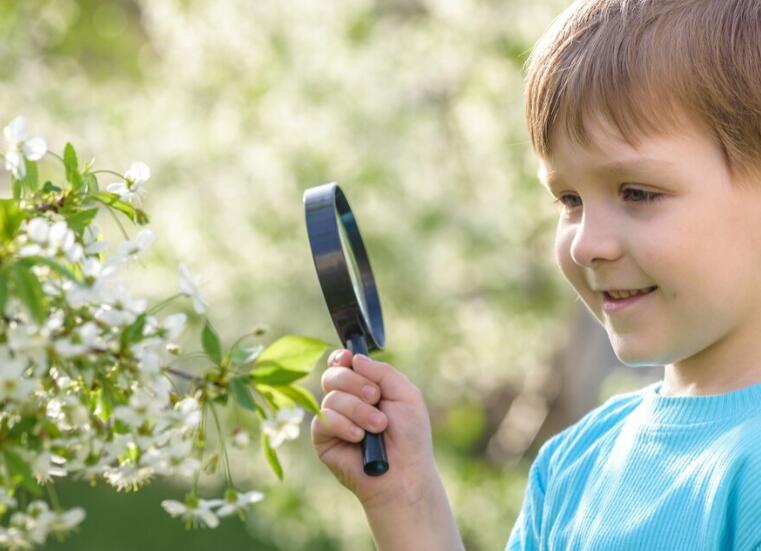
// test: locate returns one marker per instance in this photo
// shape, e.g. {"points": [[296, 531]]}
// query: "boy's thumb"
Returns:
{"points": [[393, 385]]}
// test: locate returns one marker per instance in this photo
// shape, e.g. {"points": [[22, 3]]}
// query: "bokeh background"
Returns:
{"points": [[415, 107]]}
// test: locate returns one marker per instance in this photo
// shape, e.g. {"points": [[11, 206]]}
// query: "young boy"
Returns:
{"points": [[646, 118]]}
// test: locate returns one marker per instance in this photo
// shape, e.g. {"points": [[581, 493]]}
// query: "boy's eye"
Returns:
{"points": [[634, 195]]}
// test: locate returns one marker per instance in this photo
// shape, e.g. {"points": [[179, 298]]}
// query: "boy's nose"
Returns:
{"points": [[597, 238]]}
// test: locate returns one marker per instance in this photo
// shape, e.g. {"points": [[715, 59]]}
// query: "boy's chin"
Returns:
{"points": [[631, 357]]}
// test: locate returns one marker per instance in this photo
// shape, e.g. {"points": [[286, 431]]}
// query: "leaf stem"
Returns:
{"points": [[223, 447], [201, 430], [154, 309], [53, 497], [105, 171], [118, 223]]}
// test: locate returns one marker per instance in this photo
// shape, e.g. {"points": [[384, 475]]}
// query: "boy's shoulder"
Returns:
{"points": [[595, 423]]}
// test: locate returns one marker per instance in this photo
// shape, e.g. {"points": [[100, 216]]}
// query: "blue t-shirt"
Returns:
{"points": [[648, 472]]}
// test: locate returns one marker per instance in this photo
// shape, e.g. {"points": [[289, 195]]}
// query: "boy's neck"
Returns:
{"points": [[729, 364]]}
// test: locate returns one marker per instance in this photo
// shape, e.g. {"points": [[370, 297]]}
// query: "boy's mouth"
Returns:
{"points": [[620, 295]]}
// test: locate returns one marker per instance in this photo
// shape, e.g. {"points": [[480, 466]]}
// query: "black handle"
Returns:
{"points": [[374, 460]]}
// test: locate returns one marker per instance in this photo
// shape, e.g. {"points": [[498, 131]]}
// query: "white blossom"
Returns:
{"points": [[240, 438], [131, 248], [189, 287], [128, 476], [285, 425], [132, 188], [174, 459], [47, 465], [51, 239], [239, 502], [18, 147], [142, 407], [198, 514], [13, 385]]}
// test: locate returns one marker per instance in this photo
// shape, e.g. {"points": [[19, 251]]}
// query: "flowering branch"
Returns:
{"points": [[86, 368]]}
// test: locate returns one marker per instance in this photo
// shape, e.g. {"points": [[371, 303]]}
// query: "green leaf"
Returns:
{"points": [[18, 186], [293, 353], [299, 395], [274, 401], [112, 200], [106, 402], [241, 355], [90, 182], [30, 178], [20, 471], [271, 456], [134, 331], [274, 375], [243, 395], [211, 343], [29, 290], [79, 220], [72, 167], [50, 187], [10, 218]]}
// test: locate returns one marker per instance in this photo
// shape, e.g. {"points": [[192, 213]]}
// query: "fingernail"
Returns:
{"points": [[357, 432], [333, 356], [369, 392]]}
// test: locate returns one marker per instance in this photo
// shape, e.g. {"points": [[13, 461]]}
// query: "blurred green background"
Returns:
{"points": [[415, 107]]}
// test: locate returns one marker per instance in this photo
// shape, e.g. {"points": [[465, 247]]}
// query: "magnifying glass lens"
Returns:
{"points": [[354, 272]]}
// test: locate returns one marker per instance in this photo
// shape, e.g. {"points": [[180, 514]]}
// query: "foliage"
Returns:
{"points": [[92, 383]]}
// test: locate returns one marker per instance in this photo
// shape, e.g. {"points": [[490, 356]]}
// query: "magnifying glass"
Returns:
{"points": [[348, 286]]}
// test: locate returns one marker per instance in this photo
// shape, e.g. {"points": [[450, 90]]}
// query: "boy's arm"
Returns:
{"points": [[423, 522]]}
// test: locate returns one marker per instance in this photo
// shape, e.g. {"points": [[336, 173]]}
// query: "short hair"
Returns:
{"points": [[643, 65]]}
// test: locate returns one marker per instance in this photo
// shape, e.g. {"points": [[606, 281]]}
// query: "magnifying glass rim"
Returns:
{"points": [[325, 205]]}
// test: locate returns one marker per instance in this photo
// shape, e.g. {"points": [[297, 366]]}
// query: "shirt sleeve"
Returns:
{"points": [[526, 533], [744, 510]]}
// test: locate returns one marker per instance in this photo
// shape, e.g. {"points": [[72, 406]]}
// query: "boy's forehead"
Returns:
{"points": [[609, 153]]}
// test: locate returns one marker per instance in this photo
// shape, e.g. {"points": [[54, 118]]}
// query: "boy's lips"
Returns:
{"points": [[611, 304]]}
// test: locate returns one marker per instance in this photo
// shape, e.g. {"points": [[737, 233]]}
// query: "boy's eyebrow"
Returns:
{"points": [[551, 178]]}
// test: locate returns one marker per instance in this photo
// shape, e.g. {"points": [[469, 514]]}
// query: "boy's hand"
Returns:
{"points": [[375, 397]]}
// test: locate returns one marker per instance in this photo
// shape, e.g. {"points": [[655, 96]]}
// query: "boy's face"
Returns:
{"points": [[699, 242]]}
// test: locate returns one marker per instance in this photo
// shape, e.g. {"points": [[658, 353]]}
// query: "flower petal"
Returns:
{"points": [[34, 149]]}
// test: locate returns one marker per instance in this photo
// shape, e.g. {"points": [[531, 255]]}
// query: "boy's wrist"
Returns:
{"points": [[418, 518]]}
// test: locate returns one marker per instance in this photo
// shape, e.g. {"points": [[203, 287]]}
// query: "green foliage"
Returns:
{"points": [[11, 218], [19, 471], [112, 200], [211, 343], [271, 456], [72, 167], [291, 353], [242, 393], [28, 288]]}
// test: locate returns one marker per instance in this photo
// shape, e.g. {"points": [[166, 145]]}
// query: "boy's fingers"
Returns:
{"points": [[393, 385], [334, 425], [348, 380], [341, 357]]}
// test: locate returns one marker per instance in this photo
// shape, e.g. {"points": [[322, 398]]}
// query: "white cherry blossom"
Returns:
{"points": [[132, 188], [18, 147], [197, 514], [189, 287], [239, 502], [285, 425]]}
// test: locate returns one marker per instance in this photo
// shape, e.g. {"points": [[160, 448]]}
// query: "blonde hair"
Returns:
{"points": [[643, 65]]}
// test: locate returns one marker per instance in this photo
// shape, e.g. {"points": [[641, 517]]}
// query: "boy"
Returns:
{"points": [[646, 118]]}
